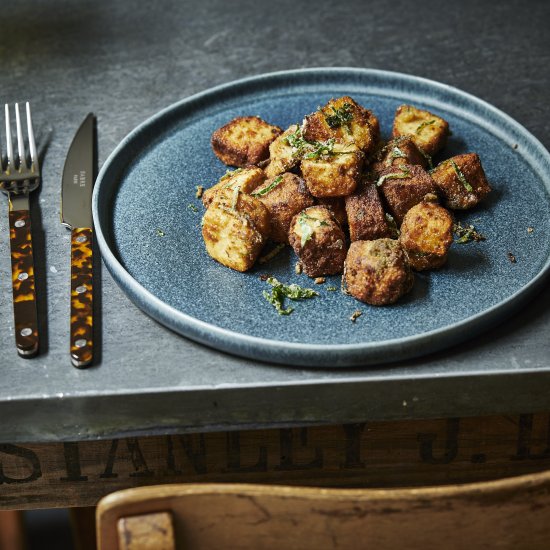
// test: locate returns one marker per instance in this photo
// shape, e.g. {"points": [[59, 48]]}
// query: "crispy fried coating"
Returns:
{"points": [[343, 119], [377, 272], [403, 187], [398, 151], [282, 156], [284, 196], [235, 228], [428, 131], [461, 181], [244, 179], [337, 206], [366, 217], [244, 140], [426, 235], [318, 241], [335, 174]]}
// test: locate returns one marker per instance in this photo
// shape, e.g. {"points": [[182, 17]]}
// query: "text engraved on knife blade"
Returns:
{"points": [[80, 178]]}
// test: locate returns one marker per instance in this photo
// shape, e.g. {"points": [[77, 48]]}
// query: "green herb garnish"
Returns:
{"points": [[404, 174], [307, 229], [461, 176], [230, 173], [332, 288], [467, 234], [423, 125], [392, 225], [396, 153], [192, 207], [160, 233], [280, 291], [304, 149], [340, 116], [269, 188]]}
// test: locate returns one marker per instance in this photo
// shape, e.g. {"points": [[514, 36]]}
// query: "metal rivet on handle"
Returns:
{"points": [[26, 331], [20, 223], [80, 343], [81, 239], [81, 289], [23, 276]]}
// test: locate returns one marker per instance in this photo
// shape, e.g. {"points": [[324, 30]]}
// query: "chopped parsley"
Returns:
{"points": [[461, 176], [269, 188], [230, 173], [310, 150], [341, 116], [192, 207], [307, 228], [160, 233], [467, 234], [280, 291], [394, 230], [355, 315], [404, 174], [423, 125], [332, 288]]}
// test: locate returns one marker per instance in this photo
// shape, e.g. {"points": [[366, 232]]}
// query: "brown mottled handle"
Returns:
{"points": [[81, 297], [24, 294]]}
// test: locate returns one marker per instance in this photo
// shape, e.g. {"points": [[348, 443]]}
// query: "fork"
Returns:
{"points": [[18, 177]]}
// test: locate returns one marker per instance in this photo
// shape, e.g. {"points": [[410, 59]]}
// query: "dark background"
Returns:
{"points": [[125, 60]]}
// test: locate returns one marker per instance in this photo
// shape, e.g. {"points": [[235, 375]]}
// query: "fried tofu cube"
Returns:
{"points": [[244, 179], [428, 131], [318, 241], [366, 217], [337, 206], [426, 235], [461, 181], [235, 228], [283, 155], [398, 151], [284, 196], [343, 119], [377, 272], [335, 174], [244, 140], [403, 187]]}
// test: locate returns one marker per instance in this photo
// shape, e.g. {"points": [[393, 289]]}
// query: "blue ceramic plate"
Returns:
{"points": [[148, 219]]}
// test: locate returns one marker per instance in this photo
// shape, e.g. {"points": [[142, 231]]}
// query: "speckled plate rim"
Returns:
{"points": [[465, 105]]}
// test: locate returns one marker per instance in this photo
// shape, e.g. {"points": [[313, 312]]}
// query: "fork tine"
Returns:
{"points": [[32, 144], [20, 142], [9, 145]]}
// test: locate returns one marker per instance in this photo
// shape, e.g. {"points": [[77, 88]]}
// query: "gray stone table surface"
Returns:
{"points": [[126, 59]]}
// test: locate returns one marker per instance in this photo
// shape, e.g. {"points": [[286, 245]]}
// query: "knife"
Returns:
{"points": [[76, 215]]}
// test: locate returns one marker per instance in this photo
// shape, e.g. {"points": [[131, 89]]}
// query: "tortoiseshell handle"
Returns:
{"points": [[81, 297], [24, 293]]}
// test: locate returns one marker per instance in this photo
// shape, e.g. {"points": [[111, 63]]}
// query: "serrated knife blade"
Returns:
{"points": [[76, 214]]}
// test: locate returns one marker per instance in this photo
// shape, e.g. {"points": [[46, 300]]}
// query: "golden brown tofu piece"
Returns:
{"points": [[403, 187], [235, 227], [377, 272], [428, 131], [461, 181], [244, 140], [337, 206], [343, 119], [398, 151], [366, 217], [282, 154], [244, 179], [426, 235], [284, 196], [335, 174], [318, 241]]}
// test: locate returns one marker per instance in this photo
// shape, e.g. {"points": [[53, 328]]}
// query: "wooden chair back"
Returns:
{"points": [[511, 513]]}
